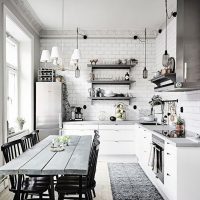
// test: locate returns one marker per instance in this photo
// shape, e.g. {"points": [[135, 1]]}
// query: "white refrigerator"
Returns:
{"points": [[49, 108]]}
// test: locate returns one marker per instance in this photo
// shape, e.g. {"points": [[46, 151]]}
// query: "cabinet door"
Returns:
{"points": [[170, 171], [116, 148]]}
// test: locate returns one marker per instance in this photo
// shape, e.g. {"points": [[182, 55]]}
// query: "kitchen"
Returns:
{"points": [[131, 73]]}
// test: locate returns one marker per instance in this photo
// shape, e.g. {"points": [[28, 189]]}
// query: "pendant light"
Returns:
{"points": [[45, 57], [165, 58], [145, 71], [76, 57]]}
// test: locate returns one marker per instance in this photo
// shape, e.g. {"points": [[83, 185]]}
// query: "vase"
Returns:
{"points": [[20, 126], [180, 127]]}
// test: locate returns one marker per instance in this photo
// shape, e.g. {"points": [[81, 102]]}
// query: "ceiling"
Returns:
{"points": [[101, 14]]}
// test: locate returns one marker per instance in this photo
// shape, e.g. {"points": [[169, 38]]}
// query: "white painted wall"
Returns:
{"points": [[107, 50], [189, 100], [19, 14]]}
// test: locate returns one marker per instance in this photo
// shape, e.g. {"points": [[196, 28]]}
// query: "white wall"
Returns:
{"points": [[189, 100], [20, 17], [107, 50]]}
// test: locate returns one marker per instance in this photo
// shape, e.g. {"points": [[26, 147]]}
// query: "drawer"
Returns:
{"points": [[170, 186], [116, 127], [116, 148], [79, 127], [170, 150], [115, 135], [77, 132]]}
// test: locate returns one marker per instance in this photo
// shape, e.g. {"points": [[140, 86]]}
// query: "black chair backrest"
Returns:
{"points": [[27, 142], [36, 137], [12, 150], [93, 162]]}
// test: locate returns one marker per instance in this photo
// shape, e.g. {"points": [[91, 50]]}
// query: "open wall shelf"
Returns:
{"points": [[107, 66], [111, 98]]}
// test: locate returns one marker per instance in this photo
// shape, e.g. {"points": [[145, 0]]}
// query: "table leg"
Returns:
{"points": [[52, 194], [80, 187]]}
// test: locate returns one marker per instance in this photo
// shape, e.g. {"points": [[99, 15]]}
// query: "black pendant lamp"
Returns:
{"points": [[165, 58], [145, 71]]}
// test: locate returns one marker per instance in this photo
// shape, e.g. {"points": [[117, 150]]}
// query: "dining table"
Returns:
{"points": [[41, 160]]}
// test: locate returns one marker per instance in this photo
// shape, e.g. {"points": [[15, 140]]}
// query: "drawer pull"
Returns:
{"points": [[145, 137], [168, 174], [168, 153]]}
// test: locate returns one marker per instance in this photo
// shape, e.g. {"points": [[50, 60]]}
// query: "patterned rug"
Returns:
{"points": [[129, 182]]}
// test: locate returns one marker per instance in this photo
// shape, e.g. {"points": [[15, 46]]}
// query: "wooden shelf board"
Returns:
{"points": [[111, 82], [111, 66]]}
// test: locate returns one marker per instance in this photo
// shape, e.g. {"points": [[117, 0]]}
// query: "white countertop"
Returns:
{"points": [[178, 142]]}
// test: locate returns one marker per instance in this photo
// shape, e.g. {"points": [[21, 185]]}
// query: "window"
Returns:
{"points": [[12, 52]]}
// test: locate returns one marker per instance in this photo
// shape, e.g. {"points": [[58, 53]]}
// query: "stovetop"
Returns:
{"points": [[171, 133]]}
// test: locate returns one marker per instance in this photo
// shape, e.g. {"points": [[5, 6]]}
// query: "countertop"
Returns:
{"points": [[188, 141], [96, 122]]}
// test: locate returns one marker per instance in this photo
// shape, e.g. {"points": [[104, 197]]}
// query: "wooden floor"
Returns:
{"points": [[103, 189]]}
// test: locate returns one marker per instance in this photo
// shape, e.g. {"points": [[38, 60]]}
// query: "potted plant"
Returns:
{"points": [[180, 124], [20, 122]]}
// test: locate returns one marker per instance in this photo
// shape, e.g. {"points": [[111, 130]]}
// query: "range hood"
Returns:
{"points": [[168, 83], [187, 76]]}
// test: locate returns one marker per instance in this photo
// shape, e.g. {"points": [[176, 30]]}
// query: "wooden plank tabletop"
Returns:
{"points": [[40, 160]]}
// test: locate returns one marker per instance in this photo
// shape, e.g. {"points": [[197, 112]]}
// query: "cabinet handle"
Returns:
{"points": [[168, 153], [168, 143], [156, 176], [145, 137], [168, 174], [185, 71]]}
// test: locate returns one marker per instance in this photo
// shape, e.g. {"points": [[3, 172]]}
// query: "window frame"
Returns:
{"points": [[15, 70]]}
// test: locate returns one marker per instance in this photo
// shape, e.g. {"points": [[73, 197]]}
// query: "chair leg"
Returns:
{"points": [[94, 193], [40, 196], [90, 194], [22, 196], [60, 196], [87, 196]]}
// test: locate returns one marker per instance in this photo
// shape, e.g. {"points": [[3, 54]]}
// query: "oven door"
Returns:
{"points": [[158, 166]]}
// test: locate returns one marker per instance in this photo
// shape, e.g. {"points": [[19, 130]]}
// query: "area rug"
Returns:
{"points": [[129, 182]]}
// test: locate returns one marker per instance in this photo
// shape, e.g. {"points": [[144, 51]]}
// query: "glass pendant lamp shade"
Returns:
{"points": [[145, 73], [76, 54], [45, 56], [165, 59], [77, 72]]}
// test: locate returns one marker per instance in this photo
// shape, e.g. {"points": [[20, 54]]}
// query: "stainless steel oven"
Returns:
{"points": [[158, 157]]}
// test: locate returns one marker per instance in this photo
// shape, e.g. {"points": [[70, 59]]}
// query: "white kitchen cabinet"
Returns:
{"points": [[79, 129], [143, 145], [117, 139], [181, 172], [170, 171]]}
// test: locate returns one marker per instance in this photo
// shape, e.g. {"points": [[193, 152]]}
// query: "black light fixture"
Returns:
{"points": [[77, 54], [145, 71], [165, 58]]}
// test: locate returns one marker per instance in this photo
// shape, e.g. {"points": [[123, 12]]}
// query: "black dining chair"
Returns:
{"points": [[27, 142], [69, 185], [20, 184], [36, 137]]}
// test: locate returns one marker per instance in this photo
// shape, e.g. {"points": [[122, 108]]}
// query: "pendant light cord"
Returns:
{"points": [[63, 7], [166, 25], [145, 46], [77, 38]]}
